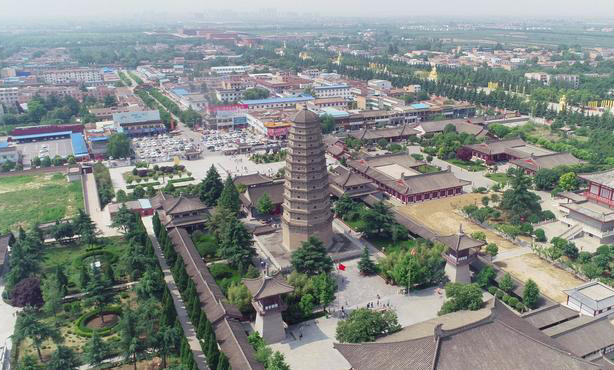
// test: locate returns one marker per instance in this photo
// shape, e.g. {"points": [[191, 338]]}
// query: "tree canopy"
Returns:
{"points": [[311, 258], [365, 325], [119, 146]]}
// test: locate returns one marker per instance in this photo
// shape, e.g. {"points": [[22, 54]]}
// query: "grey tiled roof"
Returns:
{"points": [[136, 117], [604, 177], [548, 161], [549, 315], [266, 286]]}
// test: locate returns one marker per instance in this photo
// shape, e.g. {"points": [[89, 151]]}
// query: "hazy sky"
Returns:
{"points": [[516, 8]]}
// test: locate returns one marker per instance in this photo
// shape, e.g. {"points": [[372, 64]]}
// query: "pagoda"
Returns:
{"points": [[461, 251], [306, 206], [267, 300]]}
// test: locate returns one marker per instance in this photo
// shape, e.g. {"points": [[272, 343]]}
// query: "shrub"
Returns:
{"points": [[82, 330], [492, 290], [506, 298], [520, 307], [500, 294], [220, 271], [540, 235], [513, 301]]}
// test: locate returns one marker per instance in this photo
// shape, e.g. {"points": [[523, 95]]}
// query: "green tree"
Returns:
{"points": [[119, 146], [366, 266], [96, 293], [235, 244], [96, 350], [328, 123], [150, 285], [210, 189], [85, 227], [130, 343], [123, 219], [365, 325], [568, 181], [229, 198], [239, 296], [324, 286], [462, 297], [311, 258], [492, 250], [530, 295], [306, 304], [518, 202], [165, 341], [377, 221], [277, 362], [506, 284], [486, 277], [264, 205], [344, 205], [28, 362], [63, 358], [28, 326], [53, 294]]}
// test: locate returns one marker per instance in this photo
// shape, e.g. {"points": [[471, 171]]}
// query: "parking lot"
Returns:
{"points": [[51, 148], [220, 141], [162, 148]]}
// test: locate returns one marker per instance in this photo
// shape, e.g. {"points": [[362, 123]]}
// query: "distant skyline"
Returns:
{"points": [[448, 8]]}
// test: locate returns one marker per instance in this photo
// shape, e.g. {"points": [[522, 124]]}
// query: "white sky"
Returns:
{"points": [[454, 8]]}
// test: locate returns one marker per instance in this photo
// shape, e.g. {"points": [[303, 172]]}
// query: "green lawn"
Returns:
{"points": [[387, 246], [30, 199], [469, 166], [69, 257], [427, 168], [501, 178]]}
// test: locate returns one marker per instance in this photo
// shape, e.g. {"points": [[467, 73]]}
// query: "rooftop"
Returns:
{"points": [[136, 117], [294, 99], [267, 286], [604, 178], [593, 294]]}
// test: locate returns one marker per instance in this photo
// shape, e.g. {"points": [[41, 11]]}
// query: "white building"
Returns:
{"points": [[225, 70], [380, 84], [592, 299], [64, 76], [333, 91], [9, 95], [229, 95]]}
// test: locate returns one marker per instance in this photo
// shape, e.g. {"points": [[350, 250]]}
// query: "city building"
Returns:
{"points": [[333, 91], [272, 123], [471, 127], [76, 75], [226, 117], [150, 73], [44, 132], [306, 208], [139, 123], [380, 84], [268, 103], [9, 95], [225, 70], [342, 181], [267, 292], [397, 175]]}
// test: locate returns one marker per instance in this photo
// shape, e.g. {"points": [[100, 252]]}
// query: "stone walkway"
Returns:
{"points": [[100, 216], [188, 329]]}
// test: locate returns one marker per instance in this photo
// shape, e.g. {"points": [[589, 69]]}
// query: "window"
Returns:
{"points": [[594, 189]]}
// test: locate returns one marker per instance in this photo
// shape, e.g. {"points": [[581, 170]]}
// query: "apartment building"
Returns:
{"points": [[75, 75]]}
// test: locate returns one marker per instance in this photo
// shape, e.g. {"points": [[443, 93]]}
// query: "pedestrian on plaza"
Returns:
{"points": [[300, 332]]}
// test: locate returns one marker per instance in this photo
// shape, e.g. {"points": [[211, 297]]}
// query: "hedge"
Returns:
{"points": [[82, 330], [144, 185], [109, 256], [181, 179]]}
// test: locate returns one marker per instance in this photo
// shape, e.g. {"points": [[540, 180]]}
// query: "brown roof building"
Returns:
{"points": [[533, 163], [471, 127], [223, 316], [496, 339], [390, 134], [397, 175], [181, 211], [492, 151], [343, 181]]}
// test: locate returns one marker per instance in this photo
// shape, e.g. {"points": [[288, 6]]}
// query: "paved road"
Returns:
{"points": [[8, 314], [101, 217], [188, 329]]}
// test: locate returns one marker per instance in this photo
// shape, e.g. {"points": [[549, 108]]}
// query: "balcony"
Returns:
{"points": [[459, 261]]}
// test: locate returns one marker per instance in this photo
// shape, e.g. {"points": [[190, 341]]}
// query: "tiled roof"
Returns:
{"points": [[275, 190], [493, 147], [266, 286], [549, 315], [548, 161], [136, 117], [604, 177], [384, 133]]}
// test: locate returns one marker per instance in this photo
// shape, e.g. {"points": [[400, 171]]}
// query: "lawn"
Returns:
{"points": [[30, 199], [467, 165], [70, 257], [427, 168], [387, 246], [499, 177]]}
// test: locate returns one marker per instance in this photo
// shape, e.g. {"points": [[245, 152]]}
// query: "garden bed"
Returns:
{"points": [[83, 328], [471, 166]]}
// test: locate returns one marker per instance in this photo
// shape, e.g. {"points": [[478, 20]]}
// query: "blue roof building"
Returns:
{"points": [[277, 102], [79, 148]]}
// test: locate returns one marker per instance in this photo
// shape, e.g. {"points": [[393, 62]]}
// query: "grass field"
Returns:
{"points": [[30, 199], [499, 177], [469, 166]]}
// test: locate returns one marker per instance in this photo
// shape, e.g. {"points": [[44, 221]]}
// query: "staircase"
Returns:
{"points": [[572, 232]]}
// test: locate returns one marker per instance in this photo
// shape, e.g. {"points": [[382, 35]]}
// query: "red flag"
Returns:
{"points": [[341, 267]]}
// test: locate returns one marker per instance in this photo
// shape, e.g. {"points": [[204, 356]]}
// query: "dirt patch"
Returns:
{"points": [[96, 323], [551, 280], [439, 215]]}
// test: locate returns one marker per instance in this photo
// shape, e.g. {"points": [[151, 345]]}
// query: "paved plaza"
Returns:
{"points": [[61, 147], [225, 164], [354, 291]]}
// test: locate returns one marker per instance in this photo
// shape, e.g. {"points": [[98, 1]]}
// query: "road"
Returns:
{"points": [[7, 325], [188, 328], [101, 217]]}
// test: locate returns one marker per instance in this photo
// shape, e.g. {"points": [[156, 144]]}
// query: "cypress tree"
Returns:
{"points": [[222, 363], [229, 198]]}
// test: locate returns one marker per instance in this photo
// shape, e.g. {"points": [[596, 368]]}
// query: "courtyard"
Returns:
{"points": [[439, 215], [354, 291]]}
